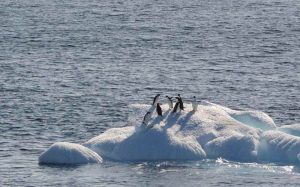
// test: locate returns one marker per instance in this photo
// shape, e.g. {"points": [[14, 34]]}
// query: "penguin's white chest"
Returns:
{"points": [[195, 105], [170, 104]]}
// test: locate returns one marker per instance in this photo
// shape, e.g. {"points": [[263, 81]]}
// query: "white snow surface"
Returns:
{"points": [[293, 129], [212, 131], [276, 146], [68, 153]]}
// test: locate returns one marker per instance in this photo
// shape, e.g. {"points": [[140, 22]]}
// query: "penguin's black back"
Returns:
{"points": [[170, 98], [155, 98], [180, 102], [179, 99], [158, 110], [176, 106], [181, 105]]}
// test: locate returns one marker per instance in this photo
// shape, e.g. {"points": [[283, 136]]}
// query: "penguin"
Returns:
{"points": [[155, 100], [180, 102], [176, 107], [170, 102], [146, 118], [194, 104], [158, 110]]}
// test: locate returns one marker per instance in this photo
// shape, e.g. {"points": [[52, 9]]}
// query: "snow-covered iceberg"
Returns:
{"points": [[135, 144], [291, 129], [276, 146], [68, 153], [212, 131]]}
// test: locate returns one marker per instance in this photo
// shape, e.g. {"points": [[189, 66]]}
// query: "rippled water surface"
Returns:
{"points": [[69, 69]]}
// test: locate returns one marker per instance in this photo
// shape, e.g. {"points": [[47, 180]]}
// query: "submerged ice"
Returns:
{"points": [[212, 131]]}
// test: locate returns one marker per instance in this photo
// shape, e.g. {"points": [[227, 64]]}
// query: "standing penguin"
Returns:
{"points": [[194, 104], [170, 102], [176, 107], [155, 99], [158, 110], [180, 102], [146, 118]]}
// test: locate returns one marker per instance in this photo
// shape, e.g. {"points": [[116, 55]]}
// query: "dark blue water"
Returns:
{"points": [[69, 69]]}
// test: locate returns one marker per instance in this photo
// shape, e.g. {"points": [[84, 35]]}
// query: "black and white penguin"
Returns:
{"points": [[180, 102], [176, 107], [170, 102], [155, 100], [194, 104], [158, 110], [146, 118]]}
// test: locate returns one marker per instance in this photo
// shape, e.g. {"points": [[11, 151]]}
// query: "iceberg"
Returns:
{"points": [[68, 153], [276, 146], [137, 144], [291, 129], [210, 132], [213, 131], [256, 119]]}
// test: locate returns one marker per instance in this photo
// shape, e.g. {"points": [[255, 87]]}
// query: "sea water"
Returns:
{"points": [[69, 70]]}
